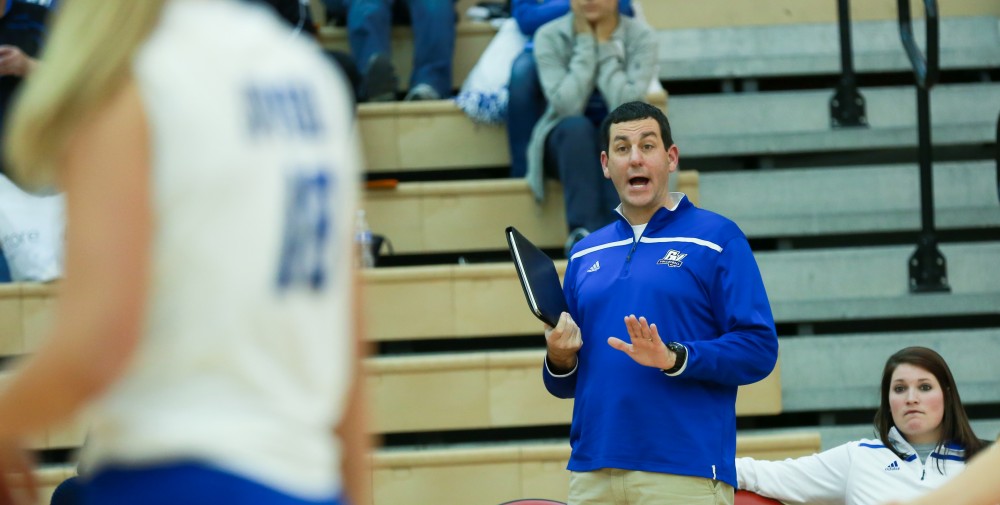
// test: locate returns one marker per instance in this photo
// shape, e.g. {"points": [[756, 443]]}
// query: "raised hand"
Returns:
{"points": [[646, 347], [580, 23]]}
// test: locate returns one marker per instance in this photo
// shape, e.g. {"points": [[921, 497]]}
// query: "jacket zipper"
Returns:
{"points": [[628, 258]]}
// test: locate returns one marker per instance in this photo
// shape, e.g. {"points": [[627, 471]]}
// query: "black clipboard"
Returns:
{"points": [[538, 277]]}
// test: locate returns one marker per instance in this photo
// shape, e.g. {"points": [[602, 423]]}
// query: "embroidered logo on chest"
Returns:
{"points": [[894, 466], [672, 259]]}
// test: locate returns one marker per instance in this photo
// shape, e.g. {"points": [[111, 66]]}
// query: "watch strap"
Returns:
{"points": [[681, 358]]}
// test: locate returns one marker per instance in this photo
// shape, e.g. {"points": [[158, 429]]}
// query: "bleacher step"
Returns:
{"points": [[465, 216], [471, 39], [488, 474], [484, 300], [839, 372], [500, 473], [466, 391], [847, 200], [496, 389], [785, 122], [434, 135], [680, 14], [807, 49]]}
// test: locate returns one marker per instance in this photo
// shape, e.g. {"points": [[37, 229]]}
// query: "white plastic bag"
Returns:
{"points": [[483, 96], [31, 233]]}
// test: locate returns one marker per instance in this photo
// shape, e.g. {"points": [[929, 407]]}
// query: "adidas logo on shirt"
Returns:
{"points": [[595, 267], [892, 466]]}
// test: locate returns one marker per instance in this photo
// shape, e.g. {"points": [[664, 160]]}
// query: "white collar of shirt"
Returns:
{"points": [[639, 228]]}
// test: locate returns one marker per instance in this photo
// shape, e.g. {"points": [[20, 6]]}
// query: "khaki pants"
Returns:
{"points": [[610, 486]]}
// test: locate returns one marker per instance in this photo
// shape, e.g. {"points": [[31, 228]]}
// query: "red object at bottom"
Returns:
{"points": [[749, 498], [533, 502]]}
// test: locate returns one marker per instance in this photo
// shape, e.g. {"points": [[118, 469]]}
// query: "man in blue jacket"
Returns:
{"points": [[654, 418]]}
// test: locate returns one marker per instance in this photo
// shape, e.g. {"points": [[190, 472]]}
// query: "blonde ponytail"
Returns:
{"points": [[86, 60]]}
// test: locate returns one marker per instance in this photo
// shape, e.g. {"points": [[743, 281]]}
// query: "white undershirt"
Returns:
{"points": [[639, 228]]}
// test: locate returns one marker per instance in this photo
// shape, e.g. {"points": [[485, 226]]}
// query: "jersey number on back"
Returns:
{"points": [[307, 232]]}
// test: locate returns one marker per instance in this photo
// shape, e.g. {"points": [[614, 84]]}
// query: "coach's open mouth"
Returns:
{"points": [[638, 182]]}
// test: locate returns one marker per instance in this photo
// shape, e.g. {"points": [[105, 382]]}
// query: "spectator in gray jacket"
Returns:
{"points": [[589, 61]]}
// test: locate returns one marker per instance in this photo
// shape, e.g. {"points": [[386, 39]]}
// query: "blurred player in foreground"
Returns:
{"points": [[208, 314]]}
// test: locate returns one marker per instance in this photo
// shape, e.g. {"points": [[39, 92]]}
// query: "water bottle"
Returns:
{"points": [[363, 237]]}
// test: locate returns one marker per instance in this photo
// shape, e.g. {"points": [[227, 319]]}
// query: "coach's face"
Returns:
{"points": [[639, 165]]}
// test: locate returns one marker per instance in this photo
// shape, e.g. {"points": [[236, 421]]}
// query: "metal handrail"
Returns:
{"points": [[926, 69], [928, 268], [847, 106]]}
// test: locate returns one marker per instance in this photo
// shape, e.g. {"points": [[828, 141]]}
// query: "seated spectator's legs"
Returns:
{"points": [[433, 45], [369, 25], [525, 105], [572, 153]]}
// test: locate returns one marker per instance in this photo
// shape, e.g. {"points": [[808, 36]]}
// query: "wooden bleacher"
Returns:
{"points": [[465, 391], [825, 372], [491, 474], [430, 217], [703, 125], [434, 217], [751, 52], [873, 198], [407, 137], [500, 473], [49, 477], [498, 389], [742, 124], [455, 301], [25, 310], [471, 40], [679, 14]]}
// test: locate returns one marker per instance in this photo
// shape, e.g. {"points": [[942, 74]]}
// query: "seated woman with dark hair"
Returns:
{"points": [[924, 439]]}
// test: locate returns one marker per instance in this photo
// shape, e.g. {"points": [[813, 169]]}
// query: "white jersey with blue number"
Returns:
{"points": [[244, 363]]}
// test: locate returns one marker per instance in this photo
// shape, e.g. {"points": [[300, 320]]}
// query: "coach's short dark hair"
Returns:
{"points": [[634, 111]]}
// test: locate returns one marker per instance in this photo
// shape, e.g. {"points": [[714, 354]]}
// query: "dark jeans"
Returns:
{"points": [[4, 269], [525, 106], [573, 154], [369, 25]]}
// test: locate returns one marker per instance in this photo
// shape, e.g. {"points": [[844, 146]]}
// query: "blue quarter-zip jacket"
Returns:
{"points": [[692, 274]]}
